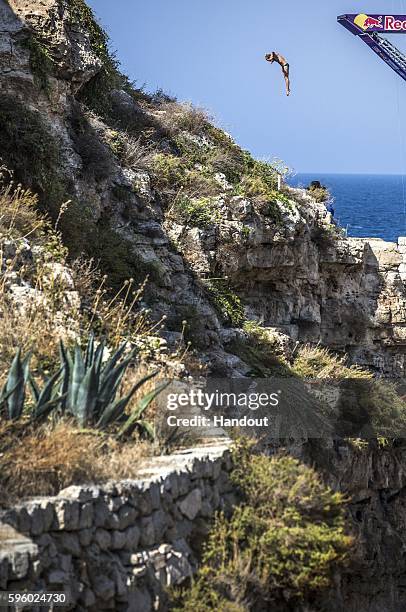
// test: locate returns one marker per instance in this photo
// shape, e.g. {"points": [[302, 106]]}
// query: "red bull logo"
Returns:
{"points": [[371, 22], [393, 24], [365, 22]]}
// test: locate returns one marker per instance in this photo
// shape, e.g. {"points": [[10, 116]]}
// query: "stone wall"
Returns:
{"points": [[117, 546]]}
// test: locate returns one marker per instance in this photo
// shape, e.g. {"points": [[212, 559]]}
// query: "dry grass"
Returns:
{"points": [[34, 329], [18, 211], [34, 305], [133, 153], [39, 306], [116, 316], [121, 461], [184, 117], [230, 161], [42, 461], [37, 319], [318, 362]]}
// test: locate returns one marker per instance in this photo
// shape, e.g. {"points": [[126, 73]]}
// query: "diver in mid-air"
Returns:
{"points": [[279, 59]]}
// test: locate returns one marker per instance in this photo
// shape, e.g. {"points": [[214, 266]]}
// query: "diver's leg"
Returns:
{"points": [[287, 79]]}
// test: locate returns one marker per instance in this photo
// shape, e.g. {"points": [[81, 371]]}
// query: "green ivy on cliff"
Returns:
{"points": [[226, 301], [41, 62], [96, 93], [28, 147], [80, 13]]}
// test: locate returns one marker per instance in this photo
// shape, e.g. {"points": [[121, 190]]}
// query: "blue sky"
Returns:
{"points": [[347, 109]]}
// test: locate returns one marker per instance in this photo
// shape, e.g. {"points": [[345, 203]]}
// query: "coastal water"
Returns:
{"points": [[366, 205]]}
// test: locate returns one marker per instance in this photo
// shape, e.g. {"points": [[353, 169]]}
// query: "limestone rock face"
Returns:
{"points": [[374, 481], [298, 276], [66, 37], [313, 283]]}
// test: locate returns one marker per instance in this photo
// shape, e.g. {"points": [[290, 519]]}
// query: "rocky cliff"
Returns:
{"points": [[74, 130], [150, 188]]}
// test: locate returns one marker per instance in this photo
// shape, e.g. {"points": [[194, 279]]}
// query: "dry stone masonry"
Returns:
{"points": [[118, 546]]}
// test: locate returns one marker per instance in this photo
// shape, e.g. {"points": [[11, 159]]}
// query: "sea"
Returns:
{"points": [[365, 205]]}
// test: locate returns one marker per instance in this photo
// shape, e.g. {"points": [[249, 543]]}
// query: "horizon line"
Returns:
{"points": [[349, 173]]}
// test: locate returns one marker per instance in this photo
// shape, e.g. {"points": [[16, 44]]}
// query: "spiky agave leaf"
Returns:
{"points": [[114, 359], [47, 408], [35, 390], [115, 410], [76, 379], [67, 367], [111, 383], [45, 399], [148, 429], [89, 354], [86, 397], [98, 357], [141, 407], [13, 394]]}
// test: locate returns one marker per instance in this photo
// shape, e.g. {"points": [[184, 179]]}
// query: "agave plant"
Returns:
{"points": [[13, 395], [85, 387], [90, 386], [46, 399]]}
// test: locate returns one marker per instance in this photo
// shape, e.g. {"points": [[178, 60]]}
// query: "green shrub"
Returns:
{"points": [[96, 92], [281, 545], [116, 144], [246, 232], [169, 172], [33, 152], [266, 171], [260, 359], [194, 212], [259, 184], [226, 301], [200, 183], [319, 362], [29, 148], [230, 162], [371, 410], [183, 117], [366, 406], [81, 14], [260, 351], [161, 97], [319, 192], [220, 138], [386, 409], [190, 151], [41, 62], [174, 175]]}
